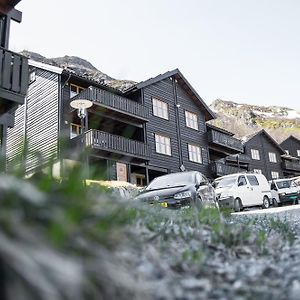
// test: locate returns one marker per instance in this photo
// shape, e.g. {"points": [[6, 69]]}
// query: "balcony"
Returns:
{"points": [[107, 142], [223, 142], [292, 165], [220, 169], [241, 158], [115, 103], [13, 79]]}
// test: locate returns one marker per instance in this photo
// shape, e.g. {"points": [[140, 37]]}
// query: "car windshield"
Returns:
{"points": [[285, 184], [225, 182], [172, 180]]}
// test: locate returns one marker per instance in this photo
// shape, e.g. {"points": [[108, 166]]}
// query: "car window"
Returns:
{"points": [[284, 184], [242, 181], [225, 182], [252, 180]]}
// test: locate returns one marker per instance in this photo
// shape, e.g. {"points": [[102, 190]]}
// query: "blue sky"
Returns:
{"points": [[241, 50]]}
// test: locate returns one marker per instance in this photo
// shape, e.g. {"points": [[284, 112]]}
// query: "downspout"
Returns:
{"points": [[176, 107]]}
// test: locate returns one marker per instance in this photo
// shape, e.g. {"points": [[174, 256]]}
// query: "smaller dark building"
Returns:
{"points": [[291, 160], [263, 155]]}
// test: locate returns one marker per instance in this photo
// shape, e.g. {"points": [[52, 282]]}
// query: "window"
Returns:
{"points": [[274, 175], [242, 181], [75, 130], [75, 90], [162, 144], [32, 76], [298, 153], [191, 120], [252, 180], [195, 153], [257, 171], [287, 152], [160, 109], [272, 157], [255, 154]]}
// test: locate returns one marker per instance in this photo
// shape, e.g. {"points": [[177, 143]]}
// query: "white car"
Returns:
{"points": [[284, 191], [242, 190]]}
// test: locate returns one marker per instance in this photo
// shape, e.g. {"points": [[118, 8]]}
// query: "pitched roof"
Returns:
{"points": [[219, 129], [249, 137], [291, 137], [209, 115]]}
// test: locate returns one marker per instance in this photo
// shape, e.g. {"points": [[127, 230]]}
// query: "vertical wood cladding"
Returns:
{"points": [[164, 90], [292, 145], [39, 121], [262, 143]]}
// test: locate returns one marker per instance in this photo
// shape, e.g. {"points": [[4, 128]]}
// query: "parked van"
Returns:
{"points": [[242, 190], [284, 191]]}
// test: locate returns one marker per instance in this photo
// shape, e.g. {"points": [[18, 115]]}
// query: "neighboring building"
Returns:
{"points": [[262, 154], [221, 145], [13, 70], [291, 160], [158, 126]]}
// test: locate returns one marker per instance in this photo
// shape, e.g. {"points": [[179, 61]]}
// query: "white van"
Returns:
{"points": [[284, 191], [242, 190]]}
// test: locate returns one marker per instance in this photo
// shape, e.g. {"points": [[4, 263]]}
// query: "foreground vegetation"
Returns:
{"points": [[63, 240]]}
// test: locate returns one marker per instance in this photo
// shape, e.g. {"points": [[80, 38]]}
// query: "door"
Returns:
{"points": [[257, 196], [244, 192]]}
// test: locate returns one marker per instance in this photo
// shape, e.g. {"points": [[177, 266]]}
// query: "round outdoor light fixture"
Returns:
{"points": [[81, 105]]}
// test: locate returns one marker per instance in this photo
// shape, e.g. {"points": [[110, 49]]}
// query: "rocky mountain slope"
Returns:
{"points": [[243, 119], [81, 67]]}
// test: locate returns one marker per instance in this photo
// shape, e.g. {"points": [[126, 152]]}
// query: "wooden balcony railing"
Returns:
{"points": [[115, 102], [243, 158], [220, 169], [293, 165], [113, 143], [13, 76], [224, 140]]}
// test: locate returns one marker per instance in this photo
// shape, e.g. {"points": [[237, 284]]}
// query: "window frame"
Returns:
{"points": [[79, 89], [164, 108], [78, 130], [272, 157], [190, 122], [298, 152], [277, 175], [193, 154], [158, 138], [253, 154], [257, 171]]}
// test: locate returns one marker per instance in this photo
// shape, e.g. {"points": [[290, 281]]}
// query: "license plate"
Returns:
{"points": [[164, 204]]}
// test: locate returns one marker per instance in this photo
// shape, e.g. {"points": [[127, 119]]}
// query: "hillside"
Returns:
{"points": [[81, 67], [243, 119]]}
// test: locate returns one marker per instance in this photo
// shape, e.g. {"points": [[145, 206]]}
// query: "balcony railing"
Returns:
{"points": [[293, 165], [243, 158], [13, 76], [220, 169], [224, 140], [115, 102], [114, 143]]}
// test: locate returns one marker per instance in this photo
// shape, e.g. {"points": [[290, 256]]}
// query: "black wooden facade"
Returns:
{"points": [[120, 129]]}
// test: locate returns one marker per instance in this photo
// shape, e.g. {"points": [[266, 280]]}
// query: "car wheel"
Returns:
{"points": [[237, 205], [266, 202], [275, 203]]}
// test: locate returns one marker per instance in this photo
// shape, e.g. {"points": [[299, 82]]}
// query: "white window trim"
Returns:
{"points": [[255, 154], [274, 174], [298, 152], [191, 120], [195, 153], [257, 171], [162, 144], [160, 108], [272, 157]]}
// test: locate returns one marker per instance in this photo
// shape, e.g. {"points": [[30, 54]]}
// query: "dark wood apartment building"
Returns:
{"points": [[13, 70], [156, 127]]}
